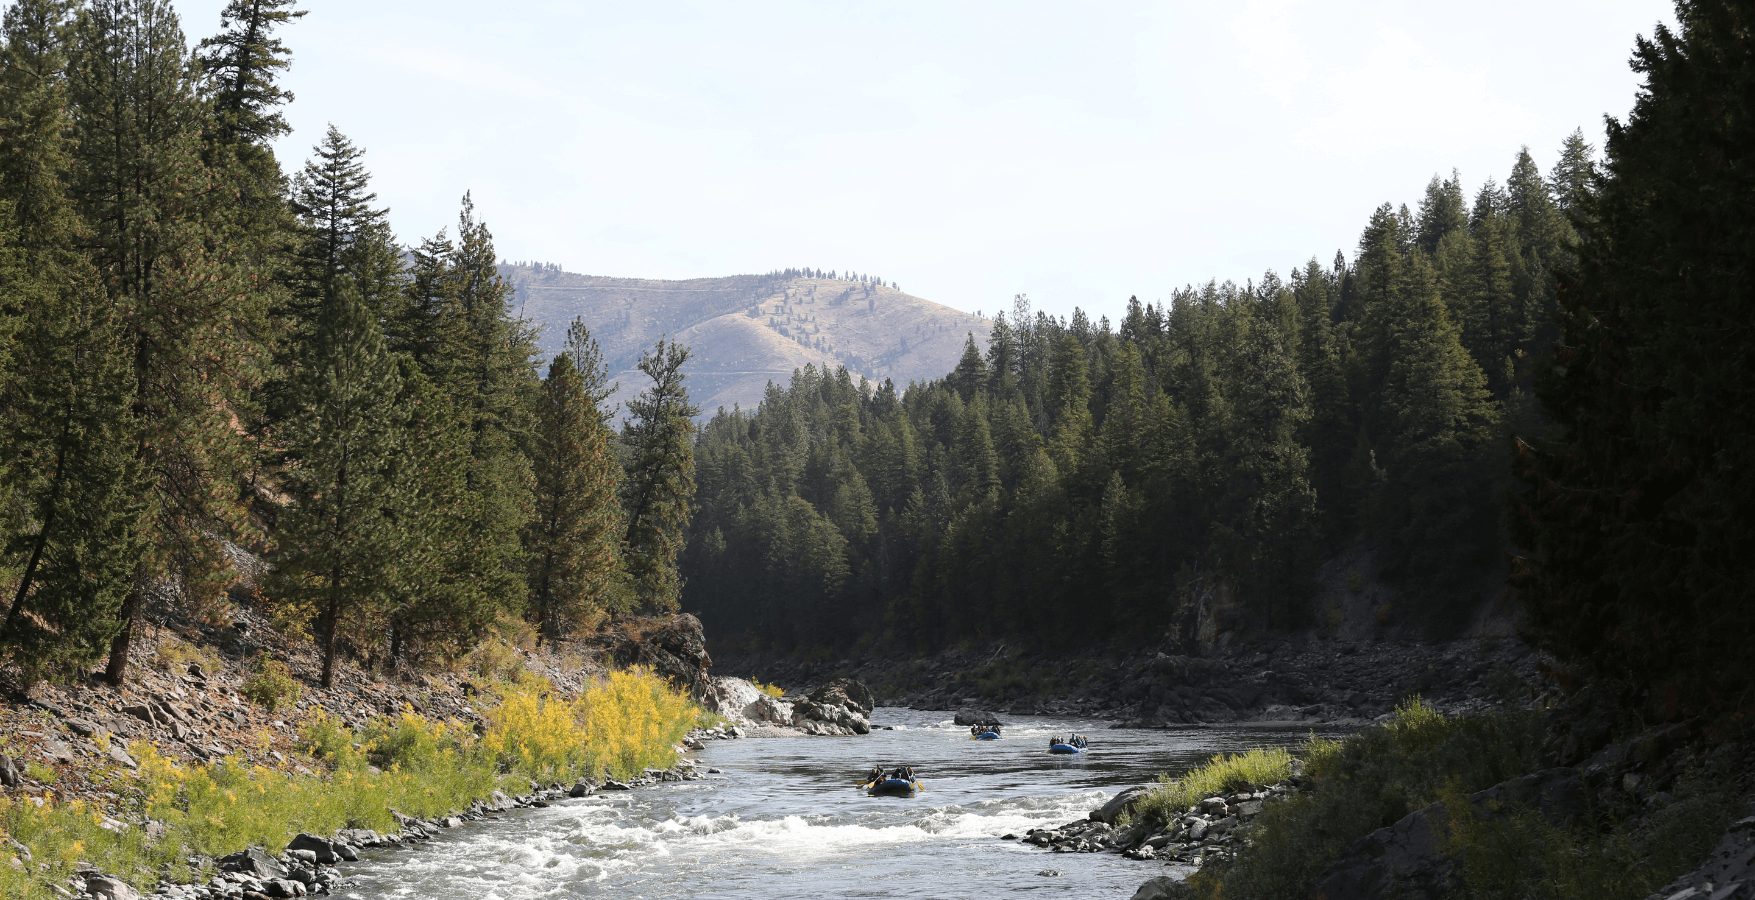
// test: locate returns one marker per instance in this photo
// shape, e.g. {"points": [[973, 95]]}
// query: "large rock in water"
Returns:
{"points": [[976, 717], [838, 707], [675, 649], [844, 692]]}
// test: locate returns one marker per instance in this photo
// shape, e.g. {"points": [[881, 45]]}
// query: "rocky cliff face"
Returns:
{"points": [[676, 648]]}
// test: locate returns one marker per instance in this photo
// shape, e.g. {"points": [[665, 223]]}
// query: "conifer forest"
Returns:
{"points": [[204, 351], [1079, 481], [204, 348]]}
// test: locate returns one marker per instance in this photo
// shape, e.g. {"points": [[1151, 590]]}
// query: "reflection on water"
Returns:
{"points": [[786, 821]]}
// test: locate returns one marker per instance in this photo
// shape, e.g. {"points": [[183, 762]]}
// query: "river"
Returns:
{"points": [[784, 820]]}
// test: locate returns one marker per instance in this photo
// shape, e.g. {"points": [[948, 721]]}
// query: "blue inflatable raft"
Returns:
{"points": [[1064, 748], [986, 736], [893, 787]]}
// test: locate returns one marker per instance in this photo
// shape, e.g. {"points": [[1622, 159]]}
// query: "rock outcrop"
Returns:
{"points": [[845, 692], [976, 717], [729, 697], [839, 707], [675, 649]]}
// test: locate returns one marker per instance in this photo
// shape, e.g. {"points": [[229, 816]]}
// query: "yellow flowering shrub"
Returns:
{"points": [[622, 723]]}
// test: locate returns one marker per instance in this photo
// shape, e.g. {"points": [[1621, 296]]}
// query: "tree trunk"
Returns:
{"points": [[333, 617], [117, 671]]}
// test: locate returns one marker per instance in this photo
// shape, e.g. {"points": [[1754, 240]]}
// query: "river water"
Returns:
{"points": [[785, 820]]}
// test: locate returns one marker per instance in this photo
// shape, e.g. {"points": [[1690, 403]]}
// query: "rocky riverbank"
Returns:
{"points": [[235, 689], [1206, 831], [1307, 679]]}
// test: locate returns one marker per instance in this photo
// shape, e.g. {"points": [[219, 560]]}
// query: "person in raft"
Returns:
{"points": [[875, 775]]}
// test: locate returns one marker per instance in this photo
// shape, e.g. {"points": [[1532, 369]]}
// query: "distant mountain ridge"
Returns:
{"points": [[747, 330]]}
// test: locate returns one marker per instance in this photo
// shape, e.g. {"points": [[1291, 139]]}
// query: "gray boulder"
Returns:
{"points": [[976, 717], [770, 710], [9, 774], [254, 863], [1118, 804], [1160, 888], [109, 888], [326, 851]]}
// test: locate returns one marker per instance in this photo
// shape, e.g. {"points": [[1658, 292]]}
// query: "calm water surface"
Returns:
{"points": [[784, 821]]}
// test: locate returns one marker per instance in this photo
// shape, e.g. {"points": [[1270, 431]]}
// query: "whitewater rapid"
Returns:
{"points": [[785, 820]]}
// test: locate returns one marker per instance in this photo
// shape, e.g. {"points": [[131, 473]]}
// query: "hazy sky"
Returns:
{"points": [[1075, 152]]}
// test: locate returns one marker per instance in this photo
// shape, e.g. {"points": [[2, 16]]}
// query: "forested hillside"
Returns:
{"points": [[204, 357], [1083, 480], [746, 330]]}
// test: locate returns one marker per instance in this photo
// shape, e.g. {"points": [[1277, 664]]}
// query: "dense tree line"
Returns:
{"points": [[1083, 480], [1635, 520], [200, 353]]}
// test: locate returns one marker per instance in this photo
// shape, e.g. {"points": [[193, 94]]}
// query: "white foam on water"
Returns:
{"points": [[591, 843]]}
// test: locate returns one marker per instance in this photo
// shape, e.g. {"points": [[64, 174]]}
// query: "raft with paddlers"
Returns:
{"points": [[897, 782], [984, 732], [1070, 745]]}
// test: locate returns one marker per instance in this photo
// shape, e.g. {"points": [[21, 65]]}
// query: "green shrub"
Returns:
{"points": [[1366, 782], [325, 738], [271, 685], [1223, 774]]}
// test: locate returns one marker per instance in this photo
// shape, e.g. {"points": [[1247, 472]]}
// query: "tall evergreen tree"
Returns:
{"points": [[244, 62], [660, 483], [1574, 174], [65, 393], [576, 534], [160, 228], [336, 544]]}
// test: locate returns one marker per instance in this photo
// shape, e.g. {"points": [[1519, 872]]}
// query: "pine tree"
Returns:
{"points": [[243, 62], [334, 205], [336, 542], [577, 530], [1574, 175], [456, 324], [1442, 212], [660, 482], [1494, 325], [65, 457], [160, 239], [971, 374], [1069, 397]]}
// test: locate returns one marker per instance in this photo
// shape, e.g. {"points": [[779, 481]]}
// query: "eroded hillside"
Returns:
{"points": [[747, 330]]}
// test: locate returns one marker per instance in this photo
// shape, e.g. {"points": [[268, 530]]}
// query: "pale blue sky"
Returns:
{"points": [[1076, 152]]}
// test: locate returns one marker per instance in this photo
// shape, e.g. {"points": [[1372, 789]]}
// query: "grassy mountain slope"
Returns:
{"points": [[747, 330]]}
